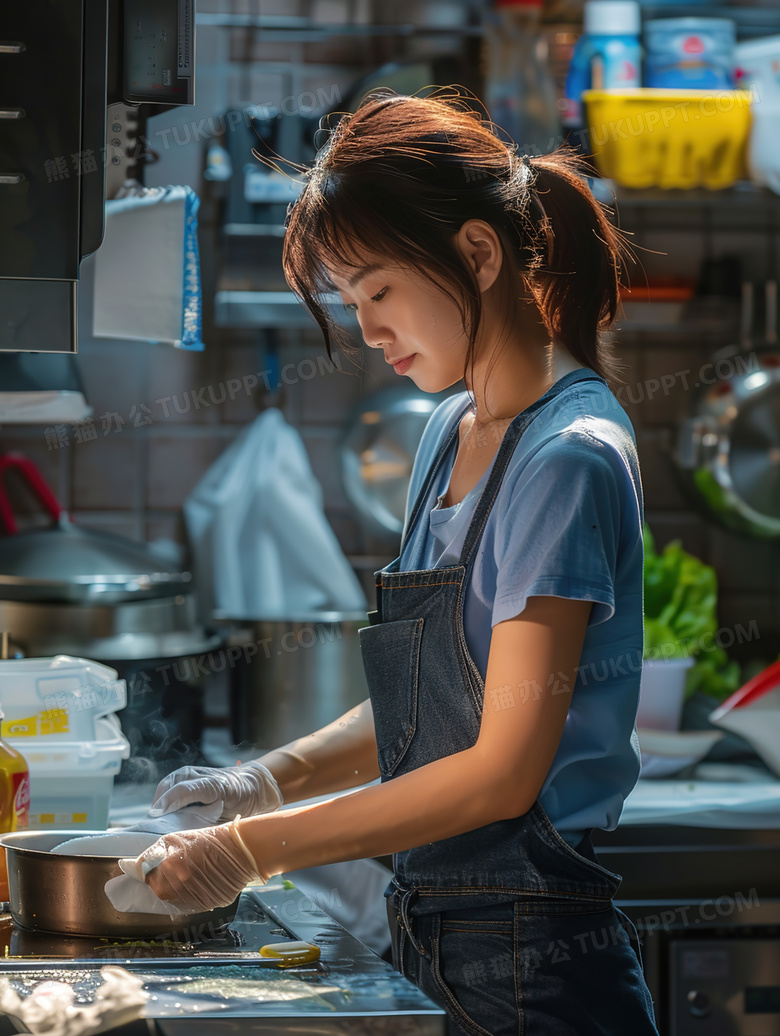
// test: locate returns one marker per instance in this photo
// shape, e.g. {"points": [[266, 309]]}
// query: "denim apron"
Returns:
{"points": [[508, 927]]}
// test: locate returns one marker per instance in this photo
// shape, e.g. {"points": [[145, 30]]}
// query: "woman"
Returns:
{"points": [[504, 657]]}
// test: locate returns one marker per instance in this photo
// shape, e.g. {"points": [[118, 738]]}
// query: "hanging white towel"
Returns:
{"points": [[262, 545]]}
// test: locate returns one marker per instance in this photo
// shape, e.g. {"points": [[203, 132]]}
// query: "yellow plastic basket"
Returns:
{"points": [[669, 138]]}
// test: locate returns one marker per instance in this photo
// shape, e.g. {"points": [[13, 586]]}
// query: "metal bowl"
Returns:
{"points": [[64, 894]]}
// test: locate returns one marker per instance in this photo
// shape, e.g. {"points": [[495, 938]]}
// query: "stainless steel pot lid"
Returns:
{"points": [[68, 563], [729, 448], [377, 448]]}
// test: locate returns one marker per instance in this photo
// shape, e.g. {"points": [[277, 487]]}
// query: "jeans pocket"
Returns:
{"points": [[474, 967], [391, 659]]}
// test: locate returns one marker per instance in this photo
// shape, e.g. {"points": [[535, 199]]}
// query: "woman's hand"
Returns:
{"points": [[196, 871], [244, 790]]}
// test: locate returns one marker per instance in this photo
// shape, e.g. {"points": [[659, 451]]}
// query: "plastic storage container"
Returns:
{"points": [[606, 57], [670, 138], [758, 70], [519, 89], [689, 53], [71, 781], [662, 693], [61, 697]]}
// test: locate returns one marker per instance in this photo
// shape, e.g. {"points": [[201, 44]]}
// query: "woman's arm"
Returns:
{"points": [[340, 755], [531, 673]]}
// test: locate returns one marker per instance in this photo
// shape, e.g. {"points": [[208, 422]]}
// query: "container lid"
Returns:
{"points": [[691, 24], [612, 18], [767, 47]]}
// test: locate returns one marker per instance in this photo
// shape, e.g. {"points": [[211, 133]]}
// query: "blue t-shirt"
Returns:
{"points": [[567, 522]]}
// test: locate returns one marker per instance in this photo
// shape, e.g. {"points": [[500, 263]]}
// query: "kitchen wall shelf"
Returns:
{"points": [[307, 30], [750, 21], [745, 194], [269, 309], [253, 230]]}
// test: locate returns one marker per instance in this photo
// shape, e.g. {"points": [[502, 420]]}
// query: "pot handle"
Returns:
{"points": [[35, 481]]}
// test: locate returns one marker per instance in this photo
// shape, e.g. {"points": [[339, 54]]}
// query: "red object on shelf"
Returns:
{"points": [[35, 481], [659, 289]]}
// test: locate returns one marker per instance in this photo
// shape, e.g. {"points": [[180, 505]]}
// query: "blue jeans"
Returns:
{"points": [[503, 971]]}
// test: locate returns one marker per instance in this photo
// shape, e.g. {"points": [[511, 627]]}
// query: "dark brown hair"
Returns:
{"points": [[399, 178]]}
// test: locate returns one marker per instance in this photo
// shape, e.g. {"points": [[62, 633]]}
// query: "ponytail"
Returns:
{"points": [[576, 278]]}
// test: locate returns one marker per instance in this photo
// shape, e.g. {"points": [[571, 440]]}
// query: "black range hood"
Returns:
{"points": [[62, 62]]}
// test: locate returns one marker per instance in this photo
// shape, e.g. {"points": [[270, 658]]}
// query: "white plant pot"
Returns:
{"points": [[662, 692]]}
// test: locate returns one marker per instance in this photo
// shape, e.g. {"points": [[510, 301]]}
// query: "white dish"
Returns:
{"points": [[666, 752]]}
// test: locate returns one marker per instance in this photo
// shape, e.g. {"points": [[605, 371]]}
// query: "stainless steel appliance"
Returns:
{"points": [[706, 904], [62, 62]]}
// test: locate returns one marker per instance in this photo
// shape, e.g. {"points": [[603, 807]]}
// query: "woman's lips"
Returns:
{"points": [[403, 365]]}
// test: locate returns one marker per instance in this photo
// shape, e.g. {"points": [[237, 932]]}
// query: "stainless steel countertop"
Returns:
{"points": [[350, 990]]}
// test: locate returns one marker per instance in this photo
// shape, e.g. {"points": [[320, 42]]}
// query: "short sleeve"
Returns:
{"points": [[559, 529]]}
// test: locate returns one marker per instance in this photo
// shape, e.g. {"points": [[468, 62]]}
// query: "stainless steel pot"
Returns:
{"points": [[64, 894], [159, 627], [291, 677], [729, 448]]}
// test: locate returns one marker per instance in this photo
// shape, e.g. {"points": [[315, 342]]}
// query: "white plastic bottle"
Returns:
{"points": [[519, 89], [607, 55]]}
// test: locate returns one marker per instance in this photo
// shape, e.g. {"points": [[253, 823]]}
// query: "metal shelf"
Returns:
{"points": [[270, 309], [750, 21], [253, 230], [283, 29], [743, 194]]}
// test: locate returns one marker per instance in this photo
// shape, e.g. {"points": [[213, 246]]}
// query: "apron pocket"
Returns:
{"points": [[391, 659]]}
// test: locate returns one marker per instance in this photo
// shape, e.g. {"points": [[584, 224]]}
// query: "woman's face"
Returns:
{"points": [[416, 325]]}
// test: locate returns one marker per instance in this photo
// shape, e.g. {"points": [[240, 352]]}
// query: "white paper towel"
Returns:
{"points": [[147, 270]]}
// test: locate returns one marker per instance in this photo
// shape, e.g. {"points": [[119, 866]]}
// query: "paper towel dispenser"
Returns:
{"points": [[62, 62]]}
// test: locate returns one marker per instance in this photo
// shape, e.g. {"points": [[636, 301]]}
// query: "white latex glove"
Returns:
{"points": [[195, 871], [244, 790]]}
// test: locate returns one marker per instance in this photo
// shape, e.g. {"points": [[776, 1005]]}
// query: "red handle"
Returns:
{"points": [[35, 481]]}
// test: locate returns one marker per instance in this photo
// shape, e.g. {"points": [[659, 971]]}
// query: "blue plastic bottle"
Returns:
{"points": [[606, 57]]}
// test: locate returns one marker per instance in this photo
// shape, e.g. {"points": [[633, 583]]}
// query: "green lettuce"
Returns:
{"points": [[680, 606]]}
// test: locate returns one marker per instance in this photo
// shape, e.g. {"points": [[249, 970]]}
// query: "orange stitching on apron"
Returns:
{"points": [[408, 586]]}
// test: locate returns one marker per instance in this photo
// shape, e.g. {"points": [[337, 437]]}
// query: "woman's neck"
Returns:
{"points": [[508, 383]]}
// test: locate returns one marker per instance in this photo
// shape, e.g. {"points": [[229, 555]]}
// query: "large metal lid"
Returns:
{"points": [[64, 562]]}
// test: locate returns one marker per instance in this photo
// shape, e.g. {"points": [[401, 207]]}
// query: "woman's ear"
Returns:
{"points": [[480, 246]]}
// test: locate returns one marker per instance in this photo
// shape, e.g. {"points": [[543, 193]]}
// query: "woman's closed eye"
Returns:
{"points": [[374, 298]]}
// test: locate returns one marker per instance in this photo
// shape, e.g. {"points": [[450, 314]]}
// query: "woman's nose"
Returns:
{"points": [[375, 334]]}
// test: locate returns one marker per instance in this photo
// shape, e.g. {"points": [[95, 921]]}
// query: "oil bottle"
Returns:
{"points": [[14, 800]]}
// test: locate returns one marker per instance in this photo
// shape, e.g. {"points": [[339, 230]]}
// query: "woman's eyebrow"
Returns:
{"points": [[357, 277]]}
